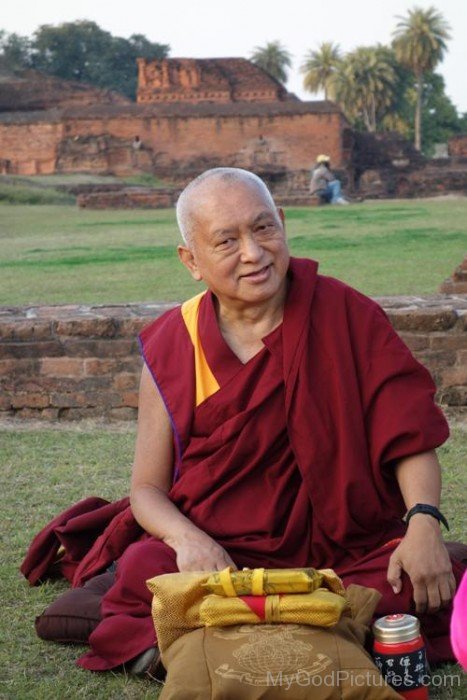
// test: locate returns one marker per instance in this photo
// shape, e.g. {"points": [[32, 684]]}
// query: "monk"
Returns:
{"points": [[282, 423]]}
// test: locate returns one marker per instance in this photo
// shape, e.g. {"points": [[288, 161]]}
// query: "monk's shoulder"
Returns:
{"points": [[168, 322], [332, 293], [355, 319]]}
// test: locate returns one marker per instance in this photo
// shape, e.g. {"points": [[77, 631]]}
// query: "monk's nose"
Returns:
{"points": [[250, 250]]}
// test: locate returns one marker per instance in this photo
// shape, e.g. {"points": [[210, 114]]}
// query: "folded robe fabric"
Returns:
{"points": [[82, 541]]}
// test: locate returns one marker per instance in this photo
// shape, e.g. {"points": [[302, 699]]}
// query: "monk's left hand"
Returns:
{"points": [[423, 556]]}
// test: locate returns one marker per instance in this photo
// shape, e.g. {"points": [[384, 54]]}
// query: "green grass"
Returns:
{"points": [[46, 189], [43, 471], [61, 254], [57, 179], [146, 180], [20, 194]]}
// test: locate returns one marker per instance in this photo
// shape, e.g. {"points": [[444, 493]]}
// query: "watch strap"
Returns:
{"points": [[427, 509]]}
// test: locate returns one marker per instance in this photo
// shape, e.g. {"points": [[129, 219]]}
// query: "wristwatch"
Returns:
{"points": [[427, 510]]}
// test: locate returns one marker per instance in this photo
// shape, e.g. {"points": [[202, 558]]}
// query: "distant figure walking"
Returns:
{"points": [[324, 183]]}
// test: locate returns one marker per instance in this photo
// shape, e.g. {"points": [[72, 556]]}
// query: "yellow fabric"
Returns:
{"points": [[225, 579], [320, 608], [272, 609], [270, 581], [257, 581], [206, 383], [180, 603]]}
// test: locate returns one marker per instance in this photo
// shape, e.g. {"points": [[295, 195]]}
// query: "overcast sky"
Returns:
{"points": [[214, 28]]}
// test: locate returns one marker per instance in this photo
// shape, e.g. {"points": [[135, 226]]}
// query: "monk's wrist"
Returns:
{"points": [[429, 511], [183, 537], [423, 523]]}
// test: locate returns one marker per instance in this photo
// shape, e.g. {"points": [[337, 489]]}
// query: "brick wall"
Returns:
{"points": [[98, 145], [30, 148], [72, 362], [179, 141], [457, 146]]}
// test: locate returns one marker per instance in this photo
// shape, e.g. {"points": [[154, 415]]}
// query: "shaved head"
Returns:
{"points": [[192, 197]]}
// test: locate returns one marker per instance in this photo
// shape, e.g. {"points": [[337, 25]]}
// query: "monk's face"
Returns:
{"points": [[238, 244]]}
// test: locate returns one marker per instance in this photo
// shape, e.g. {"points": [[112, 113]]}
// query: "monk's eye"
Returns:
{"points": [[226, 244], [265, 228]]}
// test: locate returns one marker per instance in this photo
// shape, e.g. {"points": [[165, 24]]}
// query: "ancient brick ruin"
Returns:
{"points": [[191, 115], [387, 165], [457, 283], [457, 146], [29, 91], [73, 362], [219, 80], [129, 198]]}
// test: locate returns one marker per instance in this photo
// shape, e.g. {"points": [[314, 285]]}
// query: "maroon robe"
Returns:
{"points": [[290, 462]]}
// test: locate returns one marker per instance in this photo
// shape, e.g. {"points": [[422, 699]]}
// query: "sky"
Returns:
{"points": [[221, 28]]}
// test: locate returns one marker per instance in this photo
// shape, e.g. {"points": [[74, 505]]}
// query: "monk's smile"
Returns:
{"points": [[258, 275]]}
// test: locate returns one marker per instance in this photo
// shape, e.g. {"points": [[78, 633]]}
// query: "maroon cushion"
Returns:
{"points": [[75, 613], [458, 550]]}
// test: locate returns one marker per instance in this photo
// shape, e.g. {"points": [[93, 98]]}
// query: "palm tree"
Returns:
{"points": [[274, 59], [420, 42], [319, 67], [364, 85]]}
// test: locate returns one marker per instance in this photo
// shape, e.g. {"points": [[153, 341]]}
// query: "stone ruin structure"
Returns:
{"points": [[457, 283], [220, 80], [31, 91], [191, 114], [457, 146], [73, 362], [387, 165]]}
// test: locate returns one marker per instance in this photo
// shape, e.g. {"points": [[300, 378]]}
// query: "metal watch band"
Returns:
{"points": [[427, 510]]}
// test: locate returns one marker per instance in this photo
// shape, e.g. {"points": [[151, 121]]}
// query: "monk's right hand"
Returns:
{"points": [[198, 552]]}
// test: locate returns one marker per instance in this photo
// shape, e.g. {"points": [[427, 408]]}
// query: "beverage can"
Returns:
{"points": [[399, 653]]}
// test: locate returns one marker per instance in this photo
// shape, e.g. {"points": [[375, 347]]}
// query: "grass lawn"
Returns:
{"points": [[42, 472], [61, 254]]}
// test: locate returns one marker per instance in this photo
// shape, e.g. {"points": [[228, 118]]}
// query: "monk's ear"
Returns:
{"points": [[188, 259], [280, 211]]}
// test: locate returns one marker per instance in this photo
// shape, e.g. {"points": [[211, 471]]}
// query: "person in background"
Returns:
{"points": [[324, 183]]}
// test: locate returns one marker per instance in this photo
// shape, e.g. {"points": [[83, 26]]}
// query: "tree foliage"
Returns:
{"points": [[84, 52], [319, 68], [420, 43], [439, 116], [392, 87], [15, 50], [274, 59], [365, 84]]}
